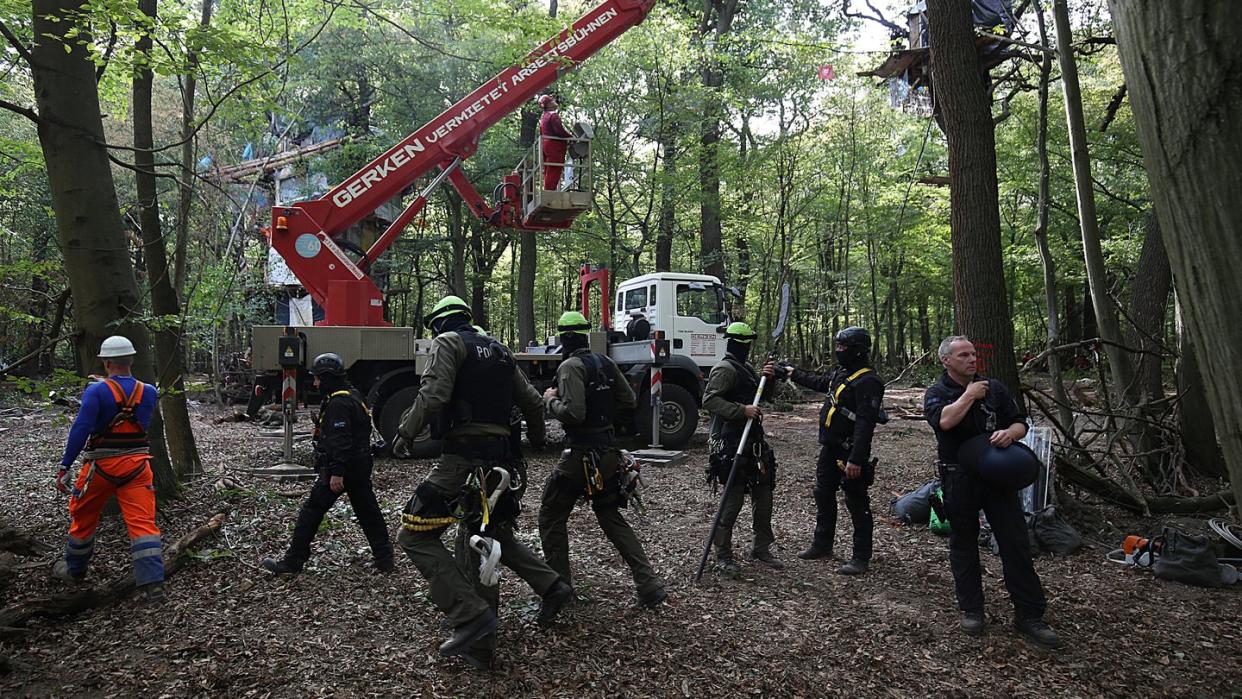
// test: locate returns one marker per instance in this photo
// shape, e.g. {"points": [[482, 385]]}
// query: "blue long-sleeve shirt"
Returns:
{"points": [[98, 409]]}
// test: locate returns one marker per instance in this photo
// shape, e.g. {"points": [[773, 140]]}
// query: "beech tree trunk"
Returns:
{"points": [[1149, 302], [1200, 445], [1121, 369], [716, 22], [170, 362], [1064, 415], [1181, 62], [978, 271], [92, 237]]}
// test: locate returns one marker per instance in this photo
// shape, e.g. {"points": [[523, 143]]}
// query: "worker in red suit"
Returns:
{"points": [[553, 144]]}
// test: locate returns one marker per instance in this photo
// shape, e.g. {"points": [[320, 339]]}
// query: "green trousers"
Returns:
{"points": [[565, 487], [453, 577], [761, 507]]}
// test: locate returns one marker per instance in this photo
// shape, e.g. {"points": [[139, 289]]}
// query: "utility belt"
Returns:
{"points": [[492, 493], [490, 448], [756, 465], [598, 439], [596, 473]]}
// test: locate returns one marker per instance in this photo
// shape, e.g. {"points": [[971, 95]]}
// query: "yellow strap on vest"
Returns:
{"points": [[344, 392], [836, 396]]}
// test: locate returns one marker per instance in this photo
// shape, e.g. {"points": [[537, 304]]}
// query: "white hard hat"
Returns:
{"points": [[117, 346]]}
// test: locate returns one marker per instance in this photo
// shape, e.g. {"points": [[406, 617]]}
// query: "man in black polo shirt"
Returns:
{"points": [[960, 406]]}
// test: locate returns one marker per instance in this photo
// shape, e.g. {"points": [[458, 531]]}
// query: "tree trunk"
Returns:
{"points": [[1199, 442], [717, 21], [668, 199], [1149, 302], [185, 188], [92, 236], [178, 434], [1105, 315], [1041, 233], [1188, 124], [978, 270]]}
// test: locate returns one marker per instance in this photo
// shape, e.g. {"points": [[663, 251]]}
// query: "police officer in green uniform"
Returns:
{"points": [[589, 391], [730, 389], [468, 390], [847, 420]]}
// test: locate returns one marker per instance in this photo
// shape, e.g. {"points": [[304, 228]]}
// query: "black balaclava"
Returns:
{"points": [[451, 323], [331, 383], [572, 342], [854, 357], [740, 350]]}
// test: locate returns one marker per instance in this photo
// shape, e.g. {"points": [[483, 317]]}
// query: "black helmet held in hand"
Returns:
{"points": [[854, 337], [328, 363]]}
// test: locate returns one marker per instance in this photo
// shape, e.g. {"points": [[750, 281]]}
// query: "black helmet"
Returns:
{"points": [[1012, 468], [328, 363], [854, 336]]}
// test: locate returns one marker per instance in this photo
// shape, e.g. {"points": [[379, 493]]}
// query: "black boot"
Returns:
{"points": [[814, 553], [652, 599], [1038, 632], [553, 600], [385, 565], [282, 566], [465, 635], [854, 567], [972, 623]]}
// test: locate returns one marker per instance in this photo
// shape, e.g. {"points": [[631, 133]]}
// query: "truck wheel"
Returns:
{"points": [[679, 417], [390, 419]]}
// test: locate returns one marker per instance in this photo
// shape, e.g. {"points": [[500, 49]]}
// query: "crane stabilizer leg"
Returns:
{"points": [[390, 234]]}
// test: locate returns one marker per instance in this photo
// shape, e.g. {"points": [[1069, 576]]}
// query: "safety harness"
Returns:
{"points": [[124, 435], [835, 396]]}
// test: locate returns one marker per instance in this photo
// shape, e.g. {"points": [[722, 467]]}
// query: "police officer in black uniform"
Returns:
{"points": [[846, 422], [343, 459], [962, 405]]}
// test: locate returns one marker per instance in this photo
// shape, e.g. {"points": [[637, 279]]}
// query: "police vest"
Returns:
{"points": [[483, 390], [600, 404], [745, 383], [123, 431]]}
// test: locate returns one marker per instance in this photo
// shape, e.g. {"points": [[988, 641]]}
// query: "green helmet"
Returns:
{"points": [[447, 306], [573, 322], [481, 330], [740, 332]]}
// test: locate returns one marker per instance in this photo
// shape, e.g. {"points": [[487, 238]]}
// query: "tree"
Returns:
{"points": [[165, 305], [980, 300], [1181, 65], [106, 299], [714, 26]]}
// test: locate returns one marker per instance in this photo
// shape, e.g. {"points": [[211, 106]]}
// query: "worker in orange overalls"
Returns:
{"points": [[112, 426]]}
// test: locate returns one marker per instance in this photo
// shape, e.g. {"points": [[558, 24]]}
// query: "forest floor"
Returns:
{"points": [[228, 629]]}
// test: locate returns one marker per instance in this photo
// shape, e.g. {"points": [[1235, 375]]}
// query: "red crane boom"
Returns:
{"points": [[304, 232]]}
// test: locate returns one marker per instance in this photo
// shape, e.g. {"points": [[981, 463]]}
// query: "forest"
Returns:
{"points": [[1059, 186]]}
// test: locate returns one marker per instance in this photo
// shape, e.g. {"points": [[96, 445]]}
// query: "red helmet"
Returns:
{"points": [[545, 100]]}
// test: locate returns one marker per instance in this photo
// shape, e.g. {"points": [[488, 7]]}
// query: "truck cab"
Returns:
{"points": [[688, 308]]}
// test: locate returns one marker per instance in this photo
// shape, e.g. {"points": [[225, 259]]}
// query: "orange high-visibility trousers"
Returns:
{"points": [[137, 500]]}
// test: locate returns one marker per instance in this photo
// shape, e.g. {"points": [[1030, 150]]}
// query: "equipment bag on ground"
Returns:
{"points": [[1190, 559], [915, 507], [1054, 533]]}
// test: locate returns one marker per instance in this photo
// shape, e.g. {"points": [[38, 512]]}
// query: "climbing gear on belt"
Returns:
{"points": [[632, 482], [591, 473], [489, 558]]}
